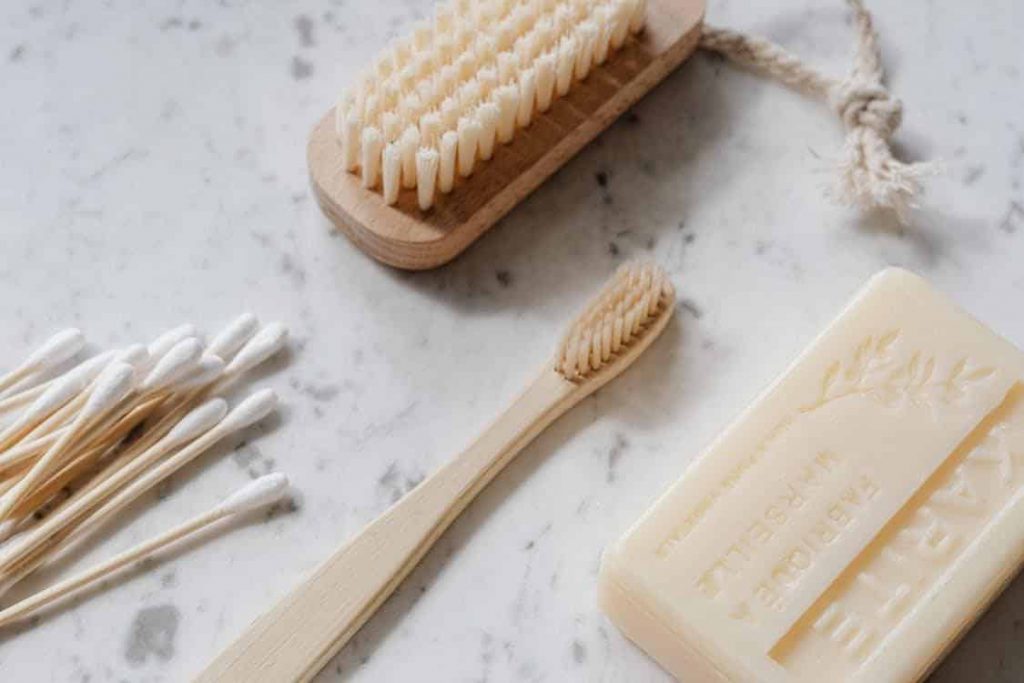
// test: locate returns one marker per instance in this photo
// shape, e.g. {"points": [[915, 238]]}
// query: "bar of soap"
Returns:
{"points": [[853, 522]]}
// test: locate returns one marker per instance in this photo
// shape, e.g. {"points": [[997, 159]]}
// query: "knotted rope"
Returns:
{"points": [[869, 175]]}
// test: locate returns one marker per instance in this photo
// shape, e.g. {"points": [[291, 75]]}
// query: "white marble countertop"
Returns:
{"points": [[153, 173]]}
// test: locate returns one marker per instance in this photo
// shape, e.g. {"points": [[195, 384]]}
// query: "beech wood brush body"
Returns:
{"points": [[298, 636], [454, 125]]}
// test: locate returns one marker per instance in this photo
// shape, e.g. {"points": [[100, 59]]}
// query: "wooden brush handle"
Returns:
{"points": [[296, 638]]}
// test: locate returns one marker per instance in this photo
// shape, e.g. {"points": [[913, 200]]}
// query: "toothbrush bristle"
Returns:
{"points": [[467, 80], [615, 320]]}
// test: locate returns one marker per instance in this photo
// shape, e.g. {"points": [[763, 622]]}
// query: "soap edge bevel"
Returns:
{"points": [[611, 587]]}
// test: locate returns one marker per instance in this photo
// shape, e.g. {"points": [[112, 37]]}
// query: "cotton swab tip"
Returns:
{"points": [[162, 344], [65, 387], [56, 349], [176, 364], [135, 355], [253, 409], [265, 344], [263, 491], [233, 337], [197, 421], [112, 385], [90, 368], [206, 371]]}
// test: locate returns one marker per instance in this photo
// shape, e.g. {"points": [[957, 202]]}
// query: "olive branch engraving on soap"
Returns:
{"points": [[877, 370]]}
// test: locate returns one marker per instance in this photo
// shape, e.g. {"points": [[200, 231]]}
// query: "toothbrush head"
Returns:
{"points": [[621, 321]]}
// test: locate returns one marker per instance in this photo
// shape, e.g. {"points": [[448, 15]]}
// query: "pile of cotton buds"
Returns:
{"points": [[113, 426]]}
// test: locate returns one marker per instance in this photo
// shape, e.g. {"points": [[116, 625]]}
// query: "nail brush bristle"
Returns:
{"points": [[479, 70]]}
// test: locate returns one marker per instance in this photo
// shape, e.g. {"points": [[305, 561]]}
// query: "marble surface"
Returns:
{"points": [[153, 173]]}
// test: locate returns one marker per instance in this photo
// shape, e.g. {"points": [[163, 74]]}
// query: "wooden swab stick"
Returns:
{"points": [[152, 435], [261, 492], [27, 565], [6, 484], [198, 421], [68, 522], [136, 356], [19, 455], [52, 445], [65, 390], [112, 385], [211, 375], [95, 449], [94, 445], [92, 451], [54, 351], [180, 361], [207, 370], [76, 467], [201, 428], [118, 426], [114, 428], [177, 415], [251, 410]]}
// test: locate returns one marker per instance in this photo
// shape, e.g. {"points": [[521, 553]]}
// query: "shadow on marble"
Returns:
{"points": [[932, 236]]}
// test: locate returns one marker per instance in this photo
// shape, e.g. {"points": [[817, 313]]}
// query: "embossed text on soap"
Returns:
{"points": [[873, 597]]}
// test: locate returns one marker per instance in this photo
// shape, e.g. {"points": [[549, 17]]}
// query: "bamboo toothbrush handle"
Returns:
{"points": [[297, 637]]}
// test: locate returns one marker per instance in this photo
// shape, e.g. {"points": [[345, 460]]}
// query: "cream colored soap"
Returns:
{"points": [[854, 521]]}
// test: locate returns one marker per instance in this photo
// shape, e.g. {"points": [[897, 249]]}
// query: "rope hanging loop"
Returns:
{"points": [[869, 175]]}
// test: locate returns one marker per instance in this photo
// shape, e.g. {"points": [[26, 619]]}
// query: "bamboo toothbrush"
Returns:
{"points": [[297, 637], [259, 493], [459, 121]]}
